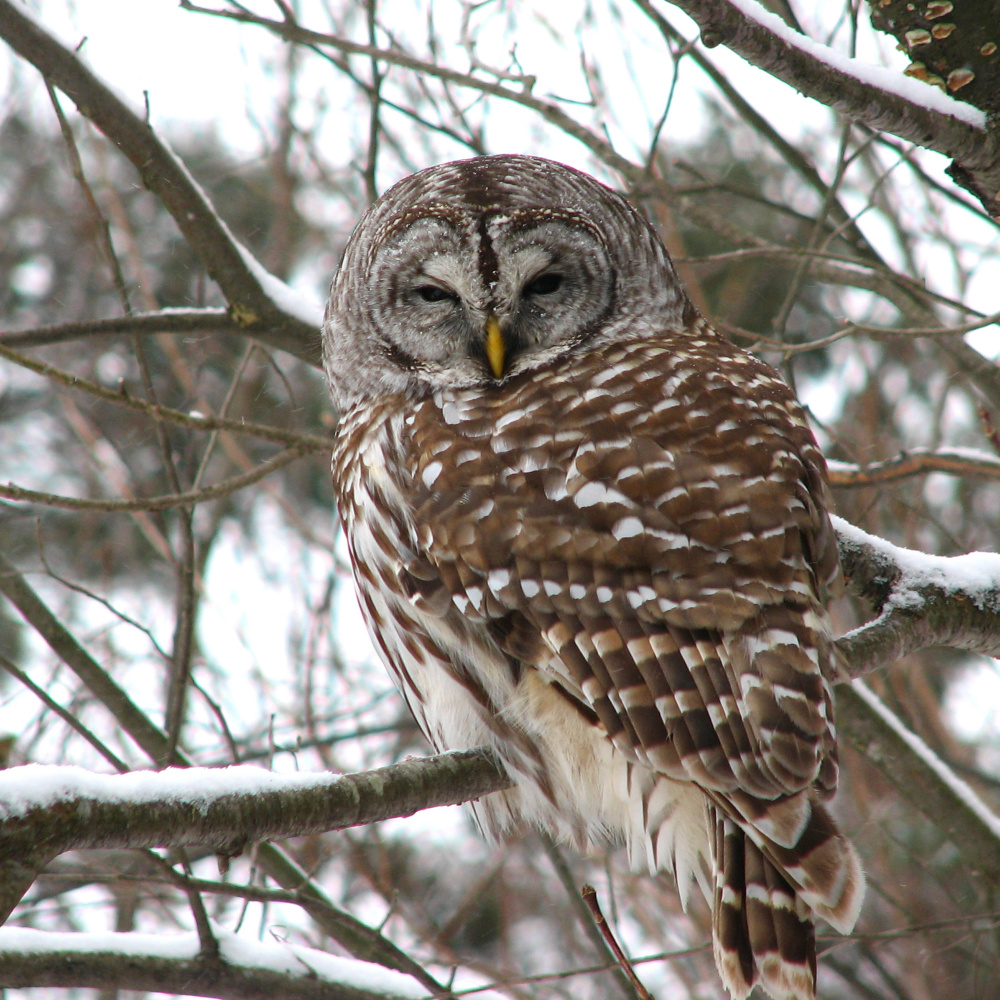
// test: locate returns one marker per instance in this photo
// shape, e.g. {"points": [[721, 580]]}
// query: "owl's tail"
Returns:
{"points": [[766, 897]]}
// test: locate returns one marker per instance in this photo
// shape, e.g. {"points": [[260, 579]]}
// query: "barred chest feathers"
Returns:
{"points": [[464, 692]]}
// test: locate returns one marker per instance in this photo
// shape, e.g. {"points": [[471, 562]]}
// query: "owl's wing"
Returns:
{"points": [[651, 534]]}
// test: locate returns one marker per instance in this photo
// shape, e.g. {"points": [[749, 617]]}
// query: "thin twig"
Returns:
{"points": [[68, 717], [168, 501], [589, 894], [296, 439]]}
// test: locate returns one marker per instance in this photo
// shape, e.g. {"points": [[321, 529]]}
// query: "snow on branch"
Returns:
{"points": [[920, 600], [237, 970], [46, 810], [870, 95], [226, 808], [260, 303]]}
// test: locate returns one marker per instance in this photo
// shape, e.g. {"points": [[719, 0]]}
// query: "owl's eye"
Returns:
{"points": [[546, 284], [431, 293]]}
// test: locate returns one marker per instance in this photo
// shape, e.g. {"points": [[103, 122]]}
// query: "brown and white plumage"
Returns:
{"points": [[590, 533]]}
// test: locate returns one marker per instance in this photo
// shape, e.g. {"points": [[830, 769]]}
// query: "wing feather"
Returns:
{"points": [[671, 560]]}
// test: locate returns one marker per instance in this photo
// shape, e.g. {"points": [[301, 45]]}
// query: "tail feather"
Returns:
{"points": [[766, 897]]}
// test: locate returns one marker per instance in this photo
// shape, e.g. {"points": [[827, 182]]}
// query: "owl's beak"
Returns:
{"points": [[496, 350]]}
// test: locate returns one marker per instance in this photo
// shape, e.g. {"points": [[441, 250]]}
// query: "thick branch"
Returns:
{"points": [[920, 777], [52, 809], [246, 286], [816, 71], [920, 600], [173, 964], [16, 874]]}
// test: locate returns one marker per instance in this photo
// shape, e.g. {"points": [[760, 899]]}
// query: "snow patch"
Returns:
{"points": [[303, 307], [40, 786]]}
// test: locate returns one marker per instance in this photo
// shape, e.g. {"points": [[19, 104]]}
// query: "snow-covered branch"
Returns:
{"points": [[46, 810], [920, 600], [261, 304], [18, 870], [237, 970], [874, 96]]}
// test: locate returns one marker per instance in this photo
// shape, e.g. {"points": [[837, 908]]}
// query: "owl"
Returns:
{"points": [[589, 533]]}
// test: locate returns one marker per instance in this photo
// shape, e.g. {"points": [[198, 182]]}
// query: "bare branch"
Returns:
{"points": [[919, 462], [166, 502], [294, 439], [163, 321], [982, 372], [166, 321], [250, 301], [551, 112]]}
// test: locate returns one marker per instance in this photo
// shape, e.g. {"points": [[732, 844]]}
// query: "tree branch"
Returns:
{"points": [[51, 809], [248, 289], [918, 462], [920, 777], [258, 970], [193, 420], [162, 321], [166, 502], [920, 600], [937, 123]]}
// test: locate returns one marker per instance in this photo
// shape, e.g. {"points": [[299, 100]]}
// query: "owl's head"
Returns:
{"points": [[473, 272]]}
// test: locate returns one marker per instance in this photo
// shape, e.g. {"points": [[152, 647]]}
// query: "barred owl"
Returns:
{"points": [[589, 533]]}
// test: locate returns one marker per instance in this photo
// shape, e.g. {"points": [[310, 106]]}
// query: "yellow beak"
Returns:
{"points": [[495, 349]]}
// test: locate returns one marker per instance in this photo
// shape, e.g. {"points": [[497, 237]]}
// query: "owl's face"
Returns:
{"points": [[470, 273]]}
